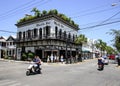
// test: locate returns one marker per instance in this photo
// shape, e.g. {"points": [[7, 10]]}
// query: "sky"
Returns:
{"points": [[85, 13]]}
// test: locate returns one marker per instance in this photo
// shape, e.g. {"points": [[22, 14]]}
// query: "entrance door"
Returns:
{"points": [[2, 54], [38, 52]]}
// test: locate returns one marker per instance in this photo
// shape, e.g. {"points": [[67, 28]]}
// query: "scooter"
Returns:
{"points": [[100, 66], [33, 69]]}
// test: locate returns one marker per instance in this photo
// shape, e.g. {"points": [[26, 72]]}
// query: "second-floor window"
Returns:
{"points": [[40, 33], [35, 31], [56, 31], [48, 30], [29, 33], [20, 35], [60, 33]]}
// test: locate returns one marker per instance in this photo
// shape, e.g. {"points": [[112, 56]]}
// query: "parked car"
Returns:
{"points": [[112, 57]]}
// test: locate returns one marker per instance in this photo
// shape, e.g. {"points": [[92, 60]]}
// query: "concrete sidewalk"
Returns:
{"points": [[45, 63]]}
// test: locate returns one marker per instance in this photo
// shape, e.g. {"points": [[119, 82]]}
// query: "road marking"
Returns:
{"points": [[7, 83], [11, 83], [16, 84]]}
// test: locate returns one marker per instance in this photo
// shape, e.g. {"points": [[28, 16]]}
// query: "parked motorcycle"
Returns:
{"points": [[33, 69]]}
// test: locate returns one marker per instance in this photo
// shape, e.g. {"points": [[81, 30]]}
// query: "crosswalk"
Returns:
{"points": [[11, 83]]}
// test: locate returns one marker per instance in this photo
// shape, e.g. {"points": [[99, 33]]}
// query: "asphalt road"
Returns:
{"points": [[81, 74]]}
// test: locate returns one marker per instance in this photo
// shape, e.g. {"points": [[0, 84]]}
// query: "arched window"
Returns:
{"points": [[60, 33], [29, 33], [23, 35], [56, 31], [65, 35], [35, 32], [73, 38], [48, 30], [20, 35], [69, 36], [40, 33]]}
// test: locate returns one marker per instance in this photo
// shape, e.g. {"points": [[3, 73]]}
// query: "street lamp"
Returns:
{"points": [[113, 4]]}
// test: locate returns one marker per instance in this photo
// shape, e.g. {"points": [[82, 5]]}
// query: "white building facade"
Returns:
{"points": [[46, 35]]}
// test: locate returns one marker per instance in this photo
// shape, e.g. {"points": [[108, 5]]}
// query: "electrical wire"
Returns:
{"points": [[82, 28], [99, 25], [14, 9], [23, 9], [95, 12], [7, 31]]}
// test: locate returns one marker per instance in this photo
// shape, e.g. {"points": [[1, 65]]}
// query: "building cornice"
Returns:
{"points": [[44, 18]]}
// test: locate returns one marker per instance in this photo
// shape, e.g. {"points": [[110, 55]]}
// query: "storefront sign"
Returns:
{"points": [[43, 23], [58, 24]]}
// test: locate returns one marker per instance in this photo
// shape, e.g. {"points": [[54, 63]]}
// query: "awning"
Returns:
{"points": [[86, 50]]}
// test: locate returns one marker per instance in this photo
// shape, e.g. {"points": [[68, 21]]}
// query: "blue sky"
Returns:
{"points": [[84, 12]]}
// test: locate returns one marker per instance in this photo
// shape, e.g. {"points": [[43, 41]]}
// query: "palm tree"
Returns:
{"points": [[101, 45], [80, 40], [116, 40], [36, 12], [110, 50], [44, 12]]}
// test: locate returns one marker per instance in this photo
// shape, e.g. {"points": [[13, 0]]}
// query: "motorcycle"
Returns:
{"points": [[100, 66], [33, 69]]}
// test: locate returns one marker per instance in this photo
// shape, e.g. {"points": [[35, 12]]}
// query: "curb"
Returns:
{"points": [[47, 64]]}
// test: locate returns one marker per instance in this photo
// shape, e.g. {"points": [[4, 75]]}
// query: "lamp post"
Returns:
{"points": [[66, 56], [80, 52]]}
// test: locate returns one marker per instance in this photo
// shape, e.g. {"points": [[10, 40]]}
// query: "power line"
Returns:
{"points": [[19, 7], [99, 22], [103, 22], [110, 17], [23, 9], [72, 30], [95, 12], [82, 28], [99, 25], [7, 31]]}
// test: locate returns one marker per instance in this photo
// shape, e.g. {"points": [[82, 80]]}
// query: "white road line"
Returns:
{"points": [[4, 81], [7, 83], [16, 84], [11, 83]]}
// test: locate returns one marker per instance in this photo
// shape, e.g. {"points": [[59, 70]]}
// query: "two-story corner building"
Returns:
{"points": [[11, 47], [2, 47], [45, 36]]}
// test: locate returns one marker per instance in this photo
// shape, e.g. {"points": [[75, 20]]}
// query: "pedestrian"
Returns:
{"points": [[51, 58], [118, 59], [48, 59], [61, 59]]}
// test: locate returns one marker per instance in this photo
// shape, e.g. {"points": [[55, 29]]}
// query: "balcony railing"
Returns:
{"points": [[51, 36]]}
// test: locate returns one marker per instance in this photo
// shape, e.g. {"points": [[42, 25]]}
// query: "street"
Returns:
{"points": [[79, 74]]}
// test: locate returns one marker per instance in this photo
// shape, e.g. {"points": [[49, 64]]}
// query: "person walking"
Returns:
{"points": [[118, 59], [61, 59], [51, 58]]}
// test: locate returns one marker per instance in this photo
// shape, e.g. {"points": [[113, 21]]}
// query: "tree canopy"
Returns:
{"points": [[116, 39], [38, 13], [81, 39]]}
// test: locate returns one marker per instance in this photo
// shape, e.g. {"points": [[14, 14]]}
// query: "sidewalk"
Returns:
{"points": [[7, 60], [45, 63]]}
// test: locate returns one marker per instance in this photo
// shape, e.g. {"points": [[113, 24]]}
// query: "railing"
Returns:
{"points": [[51, 36]]}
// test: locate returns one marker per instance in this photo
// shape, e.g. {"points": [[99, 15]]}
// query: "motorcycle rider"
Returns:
{"points": [[37, 61], [101, 63]]}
